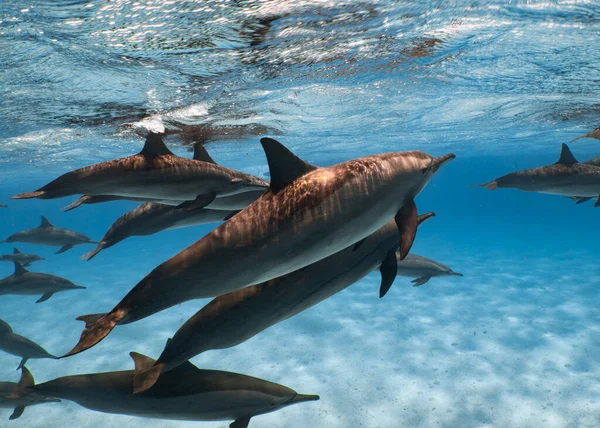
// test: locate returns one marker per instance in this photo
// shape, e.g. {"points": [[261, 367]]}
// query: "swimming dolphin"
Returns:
{"points": [[152, 217], [23, 282], [422, 269], [566, 177], [23, 258], [47, 234], [186, 393], [235, 317], [155, 173], [20, 346], [19, 404], [307, 214], [3, 206]]}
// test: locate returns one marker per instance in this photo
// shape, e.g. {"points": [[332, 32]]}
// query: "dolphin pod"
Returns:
{"points": [[20, 346], [47, 234], [186, 394], [307, 214], [23, 282], [235, 317], [155, 173]]}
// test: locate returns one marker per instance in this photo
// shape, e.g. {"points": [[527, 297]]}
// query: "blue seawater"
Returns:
{"points": [[513, 343]]}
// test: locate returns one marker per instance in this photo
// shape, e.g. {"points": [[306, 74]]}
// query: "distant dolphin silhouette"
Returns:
{"points": [[422, 269], [23, 258], [20, 346]]}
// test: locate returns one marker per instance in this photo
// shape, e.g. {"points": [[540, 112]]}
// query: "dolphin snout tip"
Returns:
{"points": [[438, 162]]}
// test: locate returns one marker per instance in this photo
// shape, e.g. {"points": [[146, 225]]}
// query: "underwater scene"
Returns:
{"points": [[299, 213]]}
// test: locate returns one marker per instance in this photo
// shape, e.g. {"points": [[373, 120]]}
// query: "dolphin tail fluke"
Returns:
{"points": [[64, 248], [97, 327], [144, 378], [89, 256], [420, 281], [29, 195], [492, 185], [301, 398]]}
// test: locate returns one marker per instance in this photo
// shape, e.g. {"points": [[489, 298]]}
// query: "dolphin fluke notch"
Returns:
{"points": [[29, 195], [407, 221], [97, 327], [284, 166]]}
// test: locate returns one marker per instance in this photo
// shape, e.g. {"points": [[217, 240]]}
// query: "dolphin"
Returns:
{"points": [[152, 217], [422, 269], [155, 173], [47, 234], [592, 134], [567, 177], [235, 317], [19, 404], [307, 214], [20, 346], [23, 258], [3, 206], [237, 201], [23, 282], [186, 393]]}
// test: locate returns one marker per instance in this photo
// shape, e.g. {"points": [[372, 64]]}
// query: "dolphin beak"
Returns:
{"points": [[437, 163]]}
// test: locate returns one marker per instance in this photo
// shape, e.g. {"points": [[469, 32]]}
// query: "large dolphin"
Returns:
{"points": [[152, 217], [307, 214], [187, 393], [237, 201], [23, 282], [422, 269], [20, 346], [47, 234], [23, 258], [235, 317], [19, 404], [567, 177], [155, 173]]}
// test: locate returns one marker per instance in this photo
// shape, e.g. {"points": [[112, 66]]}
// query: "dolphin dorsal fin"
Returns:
{"points": [[5, 328], [16, 251], [22, 388], [45, 222], [141, 362], [201, 154], [155, 146], [284, 166], [19, 269], [566, 157]]}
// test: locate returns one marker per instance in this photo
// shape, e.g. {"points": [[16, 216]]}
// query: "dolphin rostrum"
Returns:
{"points": [[152, 217], [422, 269], [47, 234], [235, 317], [307, 214], [19, 404], [23, 258], [186, 393], [23, 282], [567, 177], [155, 173], [20, 346]]}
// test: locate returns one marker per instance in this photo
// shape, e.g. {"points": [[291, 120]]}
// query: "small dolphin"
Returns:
{"points": [[46, 234], [19, 404], [152, 217], [307, 214], [235, 317], [23, 282], [592, 134], [3, 206], [20, 346], [567, 177], [154, 173], [422, 269], [186, 394], [23, 258]]}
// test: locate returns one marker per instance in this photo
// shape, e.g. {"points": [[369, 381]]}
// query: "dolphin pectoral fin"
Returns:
{"points": [[407, 221], [64, 248], [420, 281], [17, 412], [29, 195], [89, 256], [22, 363], [566, 157], [44, 297], [358, 244], [80, 201], [284, 166], [580, 200], [201, 154], [389, 270], [200, 202], [96, 328], [240, 422], [22, 388], [424, 217]]}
